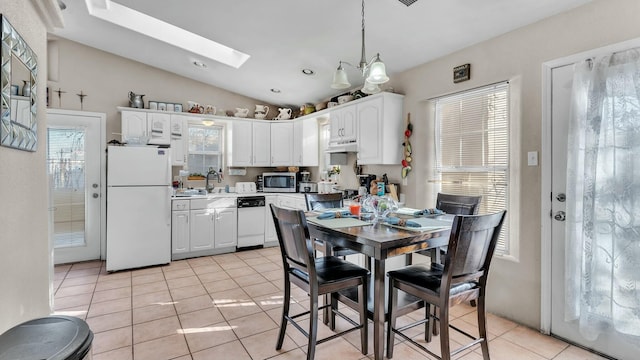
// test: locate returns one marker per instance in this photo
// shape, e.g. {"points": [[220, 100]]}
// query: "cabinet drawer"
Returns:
{"points": [[180, 205]]}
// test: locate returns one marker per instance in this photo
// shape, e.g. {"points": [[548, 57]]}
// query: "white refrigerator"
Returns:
{"points": [[138, 207]]}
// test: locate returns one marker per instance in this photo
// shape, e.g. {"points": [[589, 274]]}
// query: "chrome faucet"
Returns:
{"points": [[213, 174]]}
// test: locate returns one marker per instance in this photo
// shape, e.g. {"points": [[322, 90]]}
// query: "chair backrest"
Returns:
{"points": [[293, 237], [471, 246], [458, 204], [323, 201]]}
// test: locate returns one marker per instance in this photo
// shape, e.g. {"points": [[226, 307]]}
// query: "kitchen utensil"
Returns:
{"points": [[344, 99], [261, 111], [321, 105], [307, 187], [285, 113], [241, 112], [195, 108], [309, 108], [135, 100]]}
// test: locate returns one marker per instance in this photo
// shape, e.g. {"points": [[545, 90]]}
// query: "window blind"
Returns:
{"points": [[472, 148]]}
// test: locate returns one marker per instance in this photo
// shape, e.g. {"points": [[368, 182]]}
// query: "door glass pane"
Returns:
{"points": [[66, 168]]}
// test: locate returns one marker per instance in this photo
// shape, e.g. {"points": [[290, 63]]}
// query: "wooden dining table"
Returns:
{"points": [[380, 242]]}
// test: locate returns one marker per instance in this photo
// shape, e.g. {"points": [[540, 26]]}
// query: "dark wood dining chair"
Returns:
{"points": [[471, 246], [316, 276], [458, 204], [319, 202], [455, 205]]}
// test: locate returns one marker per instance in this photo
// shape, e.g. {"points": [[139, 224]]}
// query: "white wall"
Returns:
{"points": [[107, 79], [25, 261], [518, 57]]}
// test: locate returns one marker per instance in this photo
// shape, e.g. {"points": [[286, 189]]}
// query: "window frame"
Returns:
{"points": [[511, 249], [220, 153]]}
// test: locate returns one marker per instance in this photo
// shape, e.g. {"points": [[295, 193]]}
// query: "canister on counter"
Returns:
{"points": [[380, 185]]}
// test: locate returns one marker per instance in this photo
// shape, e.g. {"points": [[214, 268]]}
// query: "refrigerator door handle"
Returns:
{"points": [[169, 194]]}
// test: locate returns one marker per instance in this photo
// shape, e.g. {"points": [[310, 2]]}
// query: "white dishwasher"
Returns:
{"points": [[251, 221]]}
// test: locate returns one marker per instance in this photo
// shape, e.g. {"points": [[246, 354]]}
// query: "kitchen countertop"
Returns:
{"points": [[223, 194], [230, 194]]}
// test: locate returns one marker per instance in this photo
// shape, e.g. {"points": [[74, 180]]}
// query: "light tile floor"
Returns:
{"points": [[228, 307]]}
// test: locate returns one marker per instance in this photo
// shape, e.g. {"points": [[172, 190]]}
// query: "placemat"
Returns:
{"points": [[338, 223], [425, 224]]}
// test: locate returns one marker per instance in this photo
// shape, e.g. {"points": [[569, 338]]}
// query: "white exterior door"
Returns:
{"points": [[75, 167], [610, 343]]}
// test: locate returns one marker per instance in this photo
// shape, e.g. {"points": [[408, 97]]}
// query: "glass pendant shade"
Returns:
{"points": [[377, 72], [340, 80], [370, 88]]}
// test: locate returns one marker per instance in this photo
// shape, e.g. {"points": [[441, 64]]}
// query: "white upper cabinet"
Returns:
{"points": [[282, 143], [134, 124], [158, 128], [179, 136], [380, 129], [250, 143], [241, 153], [154, 125], [305, 142], [261, 144], [342, 124]]}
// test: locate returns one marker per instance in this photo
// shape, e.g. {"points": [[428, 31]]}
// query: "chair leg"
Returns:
{"points": [[332, 312], [285, 312], [445, 349], [428, 326], [313, 324], [391, 324], [364, 319], [482, 327], [436, 327], [326, 298]]}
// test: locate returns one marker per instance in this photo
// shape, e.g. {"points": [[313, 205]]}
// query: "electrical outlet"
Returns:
{"points": [[532, 158]]}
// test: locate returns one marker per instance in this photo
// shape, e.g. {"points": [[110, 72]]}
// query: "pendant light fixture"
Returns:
{"points": [[373, 71]]}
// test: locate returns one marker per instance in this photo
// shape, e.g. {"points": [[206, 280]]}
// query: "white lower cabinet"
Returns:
{"points": [[226, 232], [201, 227], [180, 232], [270, 236]]}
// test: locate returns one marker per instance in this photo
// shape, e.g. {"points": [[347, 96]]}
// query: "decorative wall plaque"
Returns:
{"points": [[461, 73]]}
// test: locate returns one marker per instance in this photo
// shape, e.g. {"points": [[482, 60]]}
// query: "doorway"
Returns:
{"points": [[75, 167], [558, 80]]}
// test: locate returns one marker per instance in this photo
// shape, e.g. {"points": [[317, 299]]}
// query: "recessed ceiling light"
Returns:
{"points": [[200, 64], [147, 25], [275, 91], [308, 72]]}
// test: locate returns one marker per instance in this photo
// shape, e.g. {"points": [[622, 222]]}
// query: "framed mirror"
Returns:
{"points": [[18, 90]]}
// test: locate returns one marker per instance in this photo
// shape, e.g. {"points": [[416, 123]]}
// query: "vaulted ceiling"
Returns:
{"points": [[283, 37]]}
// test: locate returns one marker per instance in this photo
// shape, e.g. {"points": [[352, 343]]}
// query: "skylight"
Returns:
{"points": [[160, 30]]}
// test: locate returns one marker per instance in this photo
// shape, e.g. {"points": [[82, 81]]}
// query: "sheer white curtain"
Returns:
{"points": [[603, 197]]}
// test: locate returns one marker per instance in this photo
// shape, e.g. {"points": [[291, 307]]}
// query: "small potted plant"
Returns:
{"points": [[334, 174]]}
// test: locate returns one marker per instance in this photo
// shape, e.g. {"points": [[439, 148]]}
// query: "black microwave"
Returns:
{"points": [[279, 182]]}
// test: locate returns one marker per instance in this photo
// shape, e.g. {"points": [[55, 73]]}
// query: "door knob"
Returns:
{"points": [[95, 186], [561, 197], [95, 195], [560, 216]]}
